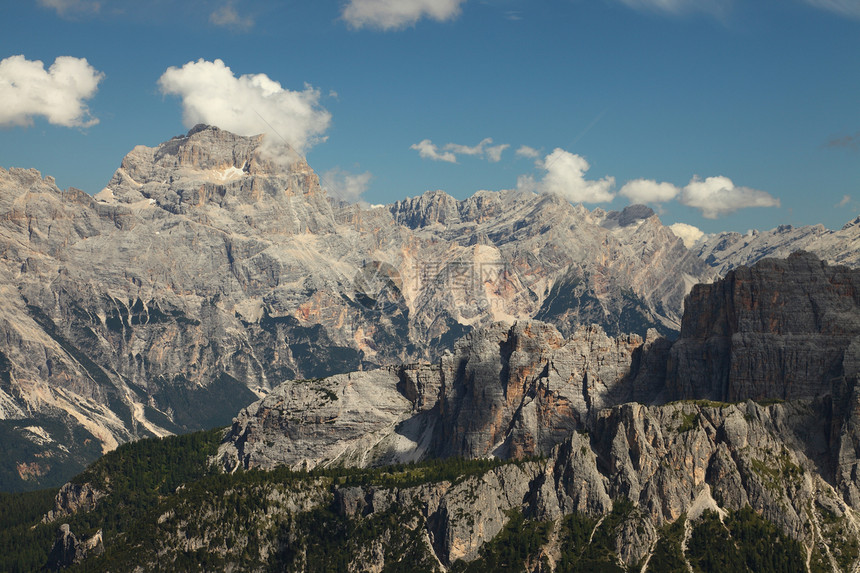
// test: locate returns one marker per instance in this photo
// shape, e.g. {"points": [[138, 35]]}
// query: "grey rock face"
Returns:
{"points": [[506, 391], [779, 330], [73, 498], [68, 550]]}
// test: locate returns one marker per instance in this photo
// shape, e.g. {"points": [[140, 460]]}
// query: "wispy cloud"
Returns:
{"points": [[70, 8], [228, 17], [850, 8], [248, 104], [398, 14], [715, 7], [345, 185], [527, 152], [449, 152], [846, 199], [845, 141], [58, 94], [564, 175]]}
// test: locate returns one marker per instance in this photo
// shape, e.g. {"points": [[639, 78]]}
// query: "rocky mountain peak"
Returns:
{"points": [[855, 223], [210, 170], [628, 216], [427, 209]]}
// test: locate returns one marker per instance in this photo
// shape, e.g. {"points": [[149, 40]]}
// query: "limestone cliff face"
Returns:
{"points": [[782, 329]]}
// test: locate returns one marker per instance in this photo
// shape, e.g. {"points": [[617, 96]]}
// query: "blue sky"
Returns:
{"points": [[724, 114]]}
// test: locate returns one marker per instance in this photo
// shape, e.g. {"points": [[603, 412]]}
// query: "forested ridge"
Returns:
{"points": [[162, 494]]}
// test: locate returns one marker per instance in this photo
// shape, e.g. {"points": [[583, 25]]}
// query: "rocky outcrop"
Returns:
{"points": [[782, 329], [336, 420], [506, 391], [68, 550], [73, 498]]}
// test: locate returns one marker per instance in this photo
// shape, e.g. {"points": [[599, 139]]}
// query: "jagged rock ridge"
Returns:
{"points": [[726, 251]]}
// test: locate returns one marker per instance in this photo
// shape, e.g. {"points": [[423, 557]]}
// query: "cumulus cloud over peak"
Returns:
{"points": [[687, 233], [58, 94], [715, 196], [565, 176], [528, 152], [247, 105], [396, 14], [649, 191]]}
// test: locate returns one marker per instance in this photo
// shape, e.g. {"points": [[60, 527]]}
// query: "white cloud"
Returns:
{"points": [[528, 152], [71, 7], [844, 202], [396, 14], [850, 8], [565, 176], [345, 185], [687, 233], [648, 191], [485, 149], [227, 17], [717, 196], [247, 105], [466, 150], [494, 152], [428, 150], [58, 93], [449, 152]]}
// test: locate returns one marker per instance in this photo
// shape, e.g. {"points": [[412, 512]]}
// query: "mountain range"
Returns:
{"points": [[206, 273]]}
